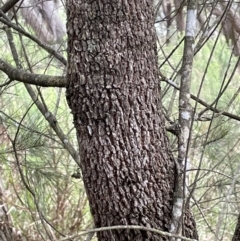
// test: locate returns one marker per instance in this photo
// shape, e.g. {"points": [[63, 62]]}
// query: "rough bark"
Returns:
{"points": [[113, 91], [236, 236]]}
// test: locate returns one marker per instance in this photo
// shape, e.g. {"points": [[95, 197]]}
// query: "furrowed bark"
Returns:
{"points": [[113, 91], [236, 235]]}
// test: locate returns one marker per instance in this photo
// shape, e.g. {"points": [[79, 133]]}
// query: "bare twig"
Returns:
{"points": [[45, 112], [51, 51], [200, 101], [127, 227]]}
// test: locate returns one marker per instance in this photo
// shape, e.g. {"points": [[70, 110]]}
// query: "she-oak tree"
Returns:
{"points": [[114, 93], [129, 172]]}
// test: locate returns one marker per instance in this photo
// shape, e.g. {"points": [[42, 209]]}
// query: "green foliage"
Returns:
{"points": [[214, 150], [36, 168]]}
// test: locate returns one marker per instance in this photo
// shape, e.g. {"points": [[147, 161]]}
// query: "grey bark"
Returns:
{"points": [[113, 91], [185, 119], [8, 5], [30, 78]]}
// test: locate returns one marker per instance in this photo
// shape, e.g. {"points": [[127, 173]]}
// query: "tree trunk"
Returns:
{"points": [[236, 236], [113, 91]]}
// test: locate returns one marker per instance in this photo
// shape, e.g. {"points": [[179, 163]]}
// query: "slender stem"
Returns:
{"points": [[185, 118]]}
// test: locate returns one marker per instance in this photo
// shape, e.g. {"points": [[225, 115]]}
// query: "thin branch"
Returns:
{"points": [[225, 205], [185, 119], [212, 108], [8, 5], [17, 123], [51, 51], [29, 78], [128, 227], [29, 189], [6, 83], [45, 112]]}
